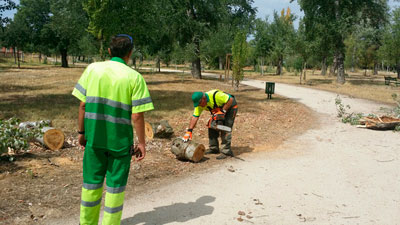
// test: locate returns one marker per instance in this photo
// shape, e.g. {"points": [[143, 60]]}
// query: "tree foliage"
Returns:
{"points": [[339, 17], [390, 50], [239, 56]]}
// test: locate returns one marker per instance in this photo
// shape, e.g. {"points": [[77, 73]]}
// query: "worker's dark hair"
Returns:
{"points": [[121, 45]]}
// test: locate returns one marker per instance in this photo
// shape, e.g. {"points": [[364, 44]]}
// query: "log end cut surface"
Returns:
{"points": [[148, 130], [54, 139], [198, 153]]}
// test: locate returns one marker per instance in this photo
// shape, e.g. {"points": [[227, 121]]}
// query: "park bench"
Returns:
{"points": [[389, 80]]}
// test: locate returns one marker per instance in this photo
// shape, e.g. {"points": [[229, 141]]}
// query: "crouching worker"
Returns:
{"points": [[112, 95], [223, 109]]}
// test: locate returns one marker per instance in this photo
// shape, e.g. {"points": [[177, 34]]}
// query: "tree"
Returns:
{"points": [[391, 42], [302, 49], [67, 25], [193, 21], [35, 14], [281, 33], [216, 46], [339, 17], [16, 35], [136, 18], [239, 56], [262, 42]]}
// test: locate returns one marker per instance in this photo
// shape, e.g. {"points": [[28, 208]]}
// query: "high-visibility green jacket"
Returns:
{"points": [[112, 91], [221, 99]]}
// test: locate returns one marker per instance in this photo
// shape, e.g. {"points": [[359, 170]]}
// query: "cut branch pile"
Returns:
{"points": [[379, 123]]}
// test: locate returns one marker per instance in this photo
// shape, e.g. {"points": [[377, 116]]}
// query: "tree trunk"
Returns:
{"points": [[187, 151], [332, 70], [160, 129], [376, 68], [158, 64], [262, 66], [15, 56], [64, 58], [323, 67], [19, 62], [40, 57], [340, 64], [196, 66], [221, 62], [398, 70], [279, 67], [305, 72], [353, 60]]}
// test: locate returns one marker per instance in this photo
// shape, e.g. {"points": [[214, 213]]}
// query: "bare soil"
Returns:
{"points": [[42, 184]]}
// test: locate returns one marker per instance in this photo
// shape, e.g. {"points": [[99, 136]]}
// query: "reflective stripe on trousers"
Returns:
{"points": [[90, 207]]}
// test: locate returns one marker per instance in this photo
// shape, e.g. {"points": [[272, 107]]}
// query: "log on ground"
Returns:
{"points": [[187, 151], [52, 138], [160, 129]]}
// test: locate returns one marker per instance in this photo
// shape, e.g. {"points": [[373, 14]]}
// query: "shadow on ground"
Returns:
{"points": [[178, 212]]}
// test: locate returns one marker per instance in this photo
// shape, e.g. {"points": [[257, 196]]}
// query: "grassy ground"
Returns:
{"points": [[371, 87], [44, 184]]}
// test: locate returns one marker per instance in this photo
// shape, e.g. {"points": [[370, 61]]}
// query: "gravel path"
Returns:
{"points": [[334, 174]]}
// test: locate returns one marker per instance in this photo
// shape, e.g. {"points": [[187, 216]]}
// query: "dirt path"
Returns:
{"points": [[334, 174]]}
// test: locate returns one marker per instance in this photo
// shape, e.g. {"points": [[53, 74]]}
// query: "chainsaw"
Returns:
{"points": [[216, 122]]}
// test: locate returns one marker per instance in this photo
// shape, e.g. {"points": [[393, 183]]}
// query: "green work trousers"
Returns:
{"points": [[97, 165], [226, 137]]}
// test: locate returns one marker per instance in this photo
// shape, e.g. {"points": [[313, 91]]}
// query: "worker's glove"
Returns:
{"points": [[219, 115], [188, 136]]}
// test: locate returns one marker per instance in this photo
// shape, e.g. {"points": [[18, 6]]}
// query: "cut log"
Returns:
{"points": [[52, 138], [187, 151], [160, 129], [148, 130], [380, 123]]}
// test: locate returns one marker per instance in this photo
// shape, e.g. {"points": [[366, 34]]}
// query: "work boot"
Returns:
{"points": [[211, 151], [224, 156]]}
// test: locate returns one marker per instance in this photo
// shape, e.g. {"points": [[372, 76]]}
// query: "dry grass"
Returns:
{"points": [[35, 189], [371, 87]]}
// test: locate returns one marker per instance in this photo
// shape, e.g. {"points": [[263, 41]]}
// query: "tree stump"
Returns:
{"points": [[187, 151], [160, 129]]}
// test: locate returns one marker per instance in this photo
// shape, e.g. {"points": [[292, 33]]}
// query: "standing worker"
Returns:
{"points": [[223, 107], [111, 94]]}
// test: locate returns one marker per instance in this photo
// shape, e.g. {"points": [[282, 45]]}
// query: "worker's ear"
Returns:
{"points": [[109, 51], [130, 54]]}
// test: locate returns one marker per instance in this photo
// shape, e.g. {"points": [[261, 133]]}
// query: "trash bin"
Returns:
{"points": [[269, 89]]}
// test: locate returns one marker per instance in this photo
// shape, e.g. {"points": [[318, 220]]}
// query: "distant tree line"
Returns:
{"points": [[334, 36]]}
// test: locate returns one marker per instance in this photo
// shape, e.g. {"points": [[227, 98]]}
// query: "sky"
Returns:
{"points": [[264, 8]]}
